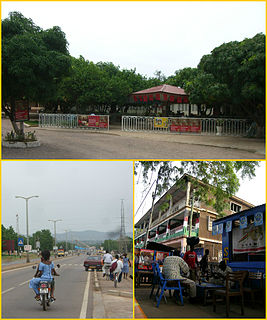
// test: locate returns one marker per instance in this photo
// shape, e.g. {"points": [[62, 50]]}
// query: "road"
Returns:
{"points": [[76, 295], [115, 144]]}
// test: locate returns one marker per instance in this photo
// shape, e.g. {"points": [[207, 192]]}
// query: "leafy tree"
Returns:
{"points": [[33, 62], [219, 177], [239, 67], [45, 238], [10, 234]]}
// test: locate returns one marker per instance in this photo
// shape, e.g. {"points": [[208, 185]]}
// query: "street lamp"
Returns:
{"points": [[55, 233], [27, 222]]}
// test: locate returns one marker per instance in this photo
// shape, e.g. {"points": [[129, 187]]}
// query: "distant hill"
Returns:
{"points": [[90, 236]]}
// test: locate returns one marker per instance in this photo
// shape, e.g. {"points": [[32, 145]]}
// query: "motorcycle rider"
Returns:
{"points": [[45, 271]]}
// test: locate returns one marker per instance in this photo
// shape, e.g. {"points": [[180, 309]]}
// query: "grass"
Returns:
{"points": [[6, 258], [32, 123]]}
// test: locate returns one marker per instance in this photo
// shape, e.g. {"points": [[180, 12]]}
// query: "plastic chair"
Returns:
{"points": [[167, 284]]}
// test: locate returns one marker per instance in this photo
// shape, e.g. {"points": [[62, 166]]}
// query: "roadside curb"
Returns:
{"points": [[125, 294], [97, 287]]}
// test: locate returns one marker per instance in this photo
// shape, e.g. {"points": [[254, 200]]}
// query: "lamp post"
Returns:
{"points": [[27, 222], [55, 233]]}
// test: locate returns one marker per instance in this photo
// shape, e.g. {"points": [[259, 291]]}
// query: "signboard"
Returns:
{"points": [[249, 240], [185, 125], [28, 247], [8, 245], [160, 257], [145, 259], [160, 122], [20, 242], [55, 248], [92, 121], [21, 110]]}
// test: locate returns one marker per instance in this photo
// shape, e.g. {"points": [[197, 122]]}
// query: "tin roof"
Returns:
{"points": [[164, 88]]}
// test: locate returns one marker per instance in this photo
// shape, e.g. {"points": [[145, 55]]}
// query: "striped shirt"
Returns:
{"points": [[173, 266]]}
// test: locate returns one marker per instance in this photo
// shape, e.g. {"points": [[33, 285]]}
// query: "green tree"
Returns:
{"points": [[240, 68], [45, 238], [219, 177], [10, 234], [33, 63]]}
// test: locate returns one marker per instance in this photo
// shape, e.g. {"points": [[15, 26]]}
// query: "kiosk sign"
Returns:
{"points": [[21, 110]]}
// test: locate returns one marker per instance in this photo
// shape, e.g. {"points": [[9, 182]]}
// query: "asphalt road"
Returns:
{"points": [[84, 144], [71, 292]]}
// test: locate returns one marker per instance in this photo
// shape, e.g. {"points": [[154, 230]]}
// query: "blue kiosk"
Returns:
{"points": [[243, 239]]}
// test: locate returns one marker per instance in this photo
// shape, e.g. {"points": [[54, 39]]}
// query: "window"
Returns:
{"points": [[210, 220], [235, 207]]}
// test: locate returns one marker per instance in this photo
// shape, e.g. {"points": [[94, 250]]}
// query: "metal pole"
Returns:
{"points": [[55, 232], [27, 222], [191, 213]]}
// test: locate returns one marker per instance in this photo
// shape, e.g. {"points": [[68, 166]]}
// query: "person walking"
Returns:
{"points": [[190, 257], [126, 265], [107, 260]]}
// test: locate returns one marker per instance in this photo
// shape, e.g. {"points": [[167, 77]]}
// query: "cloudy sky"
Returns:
{"points": [[86, 195], [148, 36], [253, 191]]}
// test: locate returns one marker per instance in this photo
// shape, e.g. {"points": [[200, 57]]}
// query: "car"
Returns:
{"points": [[93, 262]]}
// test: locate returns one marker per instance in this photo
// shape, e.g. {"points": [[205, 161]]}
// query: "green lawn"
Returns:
{"points": [[32, 123]]}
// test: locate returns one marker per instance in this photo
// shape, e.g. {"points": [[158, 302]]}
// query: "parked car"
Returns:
{"points": [[93, 262]]}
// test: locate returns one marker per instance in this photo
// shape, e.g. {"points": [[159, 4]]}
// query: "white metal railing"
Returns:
{"points": [[206, 126], [73, 121]]}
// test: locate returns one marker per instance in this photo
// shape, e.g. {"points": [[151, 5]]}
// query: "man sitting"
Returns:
{"points": [[172, 268]]}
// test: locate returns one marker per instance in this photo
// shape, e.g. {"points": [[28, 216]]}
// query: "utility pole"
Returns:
{"points": [[27, 222], [55, 232], [191, 213], [122, 240], [152, 207], [66, 240]]}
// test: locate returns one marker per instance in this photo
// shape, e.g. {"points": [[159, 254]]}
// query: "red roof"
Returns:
{"points": [[164, 88]]}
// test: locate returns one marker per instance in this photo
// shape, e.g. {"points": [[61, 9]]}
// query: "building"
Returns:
{"points": [[170, 226]]}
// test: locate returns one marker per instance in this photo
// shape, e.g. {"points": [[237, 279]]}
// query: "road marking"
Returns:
{"points": [[21, 284], [17, 269], [8, 290], [85, 297]]}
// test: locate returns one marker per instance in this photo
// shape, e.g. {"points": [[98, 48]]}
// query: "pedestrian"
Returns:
{"points": [[126, 265], [116, 268], [204, 264], [190, 257], [107, 260], [172, 268]]}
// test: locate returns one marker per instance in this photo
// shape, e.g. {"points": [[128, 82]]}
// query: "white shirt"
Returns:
{"points": [[107, 258], [119, 266]]}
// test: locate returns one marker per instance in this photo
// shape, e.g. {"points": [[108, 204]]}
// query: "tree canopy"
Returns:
{"points": [[220, 178], [33, 61]]}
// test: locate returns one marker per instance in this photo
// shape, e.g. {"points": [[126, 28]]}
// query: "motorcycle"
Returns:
{"points": [[44, 289]]}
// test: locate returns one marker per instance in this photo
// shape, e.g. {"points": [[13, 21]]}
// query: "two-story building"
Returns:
{"points": [[171, 226]]}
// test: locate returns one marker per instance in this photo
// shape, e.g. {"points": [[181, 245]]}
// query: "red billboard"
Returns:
{"points": [[93, 121], [8, 245], [21, 110], [185, 125]]}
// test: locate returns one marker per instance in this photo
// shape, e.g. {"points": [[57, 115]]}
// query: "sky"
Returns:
{"points": [[252, 191], [148, 36], [86, 195]]}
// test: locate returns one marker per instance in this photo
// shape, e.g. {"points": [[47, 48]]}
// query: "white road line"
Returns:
{"points": [[21, 284], [16, 269], [85, 297], [8, 290]]}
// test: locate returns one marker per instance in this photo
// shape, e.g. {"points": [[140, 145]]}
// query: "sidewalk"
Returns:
{"points": [[189, 310], [110, 302]]}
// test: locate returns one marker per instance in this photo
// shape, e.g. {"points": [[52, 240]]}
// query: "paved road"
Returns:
{"points": [[115, 144], [18, 301], [79, 294]]}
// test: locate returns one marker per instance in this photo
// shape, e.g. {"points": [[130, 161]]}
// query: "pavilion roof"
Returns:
{"points": [[164, 88]]}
